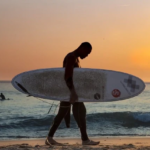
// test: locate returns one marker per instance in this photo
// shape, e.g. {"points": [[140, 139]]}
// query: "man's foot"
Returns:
{"points": [[90, 142], [51, 141]]}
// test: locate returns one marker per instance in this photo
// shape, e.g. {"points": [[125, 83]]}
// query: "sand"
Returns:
{"points": [[106, 143]]}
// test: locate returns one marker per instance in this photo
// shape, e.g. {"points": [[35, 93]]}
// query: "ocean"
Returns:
{"points": [[28, 117]]}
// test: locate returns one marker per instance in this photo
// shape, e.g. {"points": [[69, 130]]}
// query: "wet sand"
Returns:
{"points": [[106, 143]]}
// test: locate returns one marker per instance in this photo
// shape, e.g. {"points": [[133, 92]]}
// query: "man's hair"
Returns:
{"points": [[86, 45]]}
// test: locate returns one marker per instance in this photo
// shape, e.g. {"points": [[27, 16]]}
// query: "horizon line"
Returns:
{"points": [[10, 81]]}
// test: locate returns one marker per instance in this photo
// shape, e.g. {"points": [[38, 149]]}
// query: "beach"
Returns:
{"points": [[25, 122], [99, 47], [106, 143]]}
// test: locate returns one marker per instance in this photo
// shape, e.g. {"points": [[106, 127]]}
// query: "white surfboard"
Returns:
{"points": [[92, 85]]}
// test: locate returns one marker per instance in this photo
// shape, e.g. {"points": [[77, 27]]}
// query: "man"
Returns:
{"points": [[2, 96], [79, 111]]}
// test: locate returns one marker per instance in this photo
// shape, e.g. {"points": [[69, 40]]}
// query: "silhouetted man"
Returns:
{"points": [[79, 111], [2, 96]]}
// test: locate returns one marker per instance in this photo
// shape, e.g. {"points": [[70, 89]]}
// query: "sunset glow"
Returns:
{"points": [[38, 34], [141, 58]]}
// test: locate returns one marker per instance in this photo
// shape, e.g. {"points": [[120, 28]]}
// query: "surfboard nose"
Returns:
{"points": [[18, 86]]}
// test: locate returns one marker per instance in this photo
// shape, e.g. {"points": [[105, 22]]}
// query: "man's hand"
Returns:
{"points": [[73, 97]]}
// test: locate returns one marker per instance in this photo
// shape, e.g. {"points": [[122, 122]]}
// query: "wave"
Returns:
{"points": [[124, 119]]}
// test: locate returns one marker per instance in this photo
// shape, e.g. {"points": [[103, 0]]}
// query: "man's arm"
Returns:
{"points": [[69, 72], [69, 77]]}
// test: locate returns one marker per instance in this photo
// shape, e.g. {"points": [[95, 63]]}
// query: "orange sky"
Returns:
{"points": [[38, 34]]}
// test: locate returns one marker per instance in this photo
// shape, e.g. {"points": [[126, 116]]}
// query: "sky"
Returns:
{"points": [[36, 34]]}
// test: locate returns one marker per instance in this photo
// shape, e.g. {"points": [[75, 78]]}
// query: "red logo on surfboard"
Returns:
{"points": [[116, 93]]}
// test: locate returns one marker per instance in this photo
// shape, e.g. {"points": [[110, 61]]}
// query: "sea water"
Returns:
{"points": [[28, 117]]}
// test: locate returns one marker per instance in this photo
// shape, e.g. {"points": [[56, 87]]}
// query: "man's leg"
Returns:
{"points": [[63, 109], [79, 112], [67, 118]]}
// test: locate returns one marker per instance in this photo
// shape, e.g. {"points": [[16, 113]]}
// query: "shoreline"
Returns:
{"points": [[95, 137], [127, 142]]}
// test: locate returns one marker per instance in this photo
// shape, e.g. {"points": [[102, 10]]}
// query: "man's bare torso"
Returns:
{"points": [[67, 58]]}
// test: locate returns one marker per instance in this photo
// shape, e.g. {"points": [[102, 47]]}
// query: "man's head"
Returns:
{"points": [[84, 49]]}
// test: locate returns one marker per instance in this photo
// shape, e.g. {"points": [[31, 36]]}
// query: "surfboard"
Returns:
{"points": [[92, 85]]}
